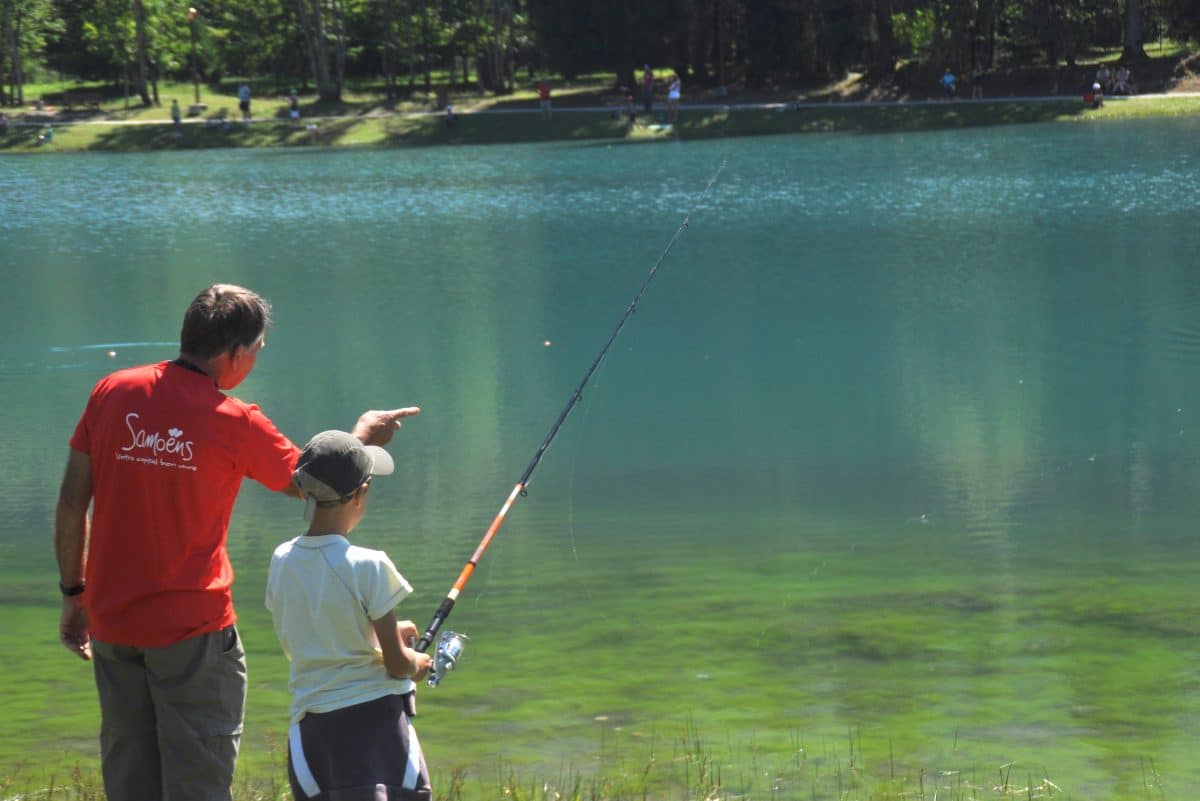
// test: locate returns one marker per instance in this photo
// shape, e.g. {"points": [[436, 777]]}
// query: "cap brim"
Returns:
{"points": [[382, 464]]}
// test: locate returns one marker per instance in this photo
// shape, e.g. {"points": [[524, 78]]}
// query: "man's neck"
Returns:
{"points": [[190, 362]]}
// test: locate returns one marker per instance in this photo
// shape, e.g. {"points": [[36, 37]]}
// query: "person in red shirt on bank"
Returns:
{"points": [[159, 454], [543, 90]]}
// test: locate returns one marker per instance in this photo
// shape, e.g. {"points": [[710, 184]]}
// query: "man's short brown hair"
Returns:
{"points": [[221, 318]]}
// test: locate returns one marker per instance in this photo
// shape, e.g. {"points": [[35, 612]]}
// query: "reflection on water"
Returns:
{"points": [[909, 419]]}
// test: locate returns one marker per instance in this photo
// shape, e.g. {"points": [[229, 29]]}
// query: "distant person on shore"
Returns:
{"points": [[293, 105], [244, 101], [977, 82], [1123, 81], [1104, 77], [3, 122], [159, 455], [352, 665], [674, 90], [948, 81], [46, 137], [543, 90], [1094, 97], [648, 89], [176, 116], [449, 116]]}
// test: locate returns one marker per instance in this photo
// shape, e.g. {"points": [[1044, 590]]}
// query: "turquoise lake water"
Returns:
{"points": [[895, 466]]}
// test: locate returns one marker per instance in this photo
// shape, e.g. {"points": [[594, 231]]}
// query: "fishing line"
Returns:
{"points": [[451, 646]]}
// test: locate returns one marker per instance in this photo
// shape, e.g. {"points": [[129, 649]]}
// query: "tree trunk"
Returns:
{"points": [[412, 49], [313, 20], [425, 45], [389, 31], [718, 55], [884, 59], [987, 33], [1134, 49], [940, 56], [139, 73], [497, 54], [700, 36], [339, 53], [12, 38], [510, 46], [310, 44]]}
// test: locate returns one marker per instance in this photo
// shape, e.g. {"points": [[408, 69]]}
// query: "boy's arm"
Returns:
{"points": [[400, 660]]}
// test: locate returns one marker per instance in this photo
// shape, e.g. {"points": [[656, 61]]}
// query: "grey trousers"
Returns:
{"points": [[171, 718]]}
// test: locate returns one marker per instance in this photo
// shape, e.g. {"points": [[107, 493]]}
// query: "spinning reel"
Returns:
{"points": [[450, 649]]}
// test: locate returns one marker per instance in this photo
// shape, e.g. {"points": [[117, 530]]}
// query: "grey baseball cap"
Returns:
{"points": [[334, 464]]}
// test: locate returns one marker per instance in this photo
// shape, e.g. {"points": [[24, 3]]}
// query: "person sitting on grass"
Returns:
{"points": [[352, 665], [1094, 97], [1123, 82]]}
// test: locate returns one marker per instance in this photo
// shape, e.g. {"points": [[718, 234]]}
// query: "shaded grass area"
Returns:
{"points": [[400, 130]]}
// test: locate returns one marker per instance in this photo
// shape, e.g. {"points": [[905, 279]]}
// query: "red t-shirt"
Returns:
{"points": [[543, 91], [168, 453]]}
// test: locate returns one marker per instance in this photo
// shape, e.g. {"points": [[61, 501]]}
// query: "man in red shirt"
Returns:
{"points": [[159, 454]]}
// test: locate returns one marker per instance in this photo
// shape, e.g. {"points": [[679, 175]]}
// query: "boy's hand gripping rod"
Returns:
{"points": [[451, 645]]}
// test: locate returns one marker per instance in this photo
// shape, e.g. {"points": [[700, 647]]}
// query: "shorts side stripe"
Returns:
{"points": [[415, 759], [300, 764]]}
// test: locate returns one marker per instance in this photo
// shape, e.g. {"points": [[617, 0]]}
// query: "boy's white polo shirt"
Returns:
{"points": [[323, 594]]}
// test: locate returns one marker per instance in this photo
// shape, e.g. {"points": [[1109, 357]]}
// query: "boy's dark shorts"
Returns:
{"points": [[368, 751]]}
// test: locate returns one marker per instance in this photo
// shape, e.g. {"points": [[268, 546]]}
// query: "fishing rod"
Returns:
{"points": [[451, 645]]}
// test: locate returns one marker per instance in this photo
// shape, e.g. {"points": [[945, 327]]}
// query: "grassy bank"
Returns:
{"points": [[685, 767], [367, 121]]}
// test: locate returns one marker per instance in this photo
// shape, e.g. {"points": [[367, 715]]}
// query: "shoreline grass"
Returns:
{"points": [[688, 768], [369, 121]]}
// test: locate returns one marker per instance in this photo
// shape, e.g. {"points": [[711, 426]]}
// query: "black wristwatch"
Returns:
{"points": [[69, 591]]}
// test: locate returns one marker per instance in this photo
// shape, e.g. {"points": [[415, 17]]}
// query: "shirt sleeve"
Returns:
{"points": [[383, 586], [81, 440], [271, 456]]}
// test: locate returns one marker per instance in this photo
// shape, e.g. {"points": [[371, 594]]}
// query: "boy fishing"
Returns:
{"points": [[352, 666]]}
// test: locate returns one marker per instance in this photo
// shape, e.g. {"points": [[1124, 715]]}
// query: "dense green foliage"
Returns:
{"points": [[323, 44]]}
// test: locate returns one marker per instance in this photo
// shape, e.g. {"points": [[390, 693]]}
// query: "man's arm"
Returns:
{"points": [[70, 547], [377, 427]]}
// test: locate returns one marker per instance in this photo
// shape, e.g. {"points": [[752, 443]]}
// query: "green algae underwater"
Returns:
{"points": [[889, 483]]}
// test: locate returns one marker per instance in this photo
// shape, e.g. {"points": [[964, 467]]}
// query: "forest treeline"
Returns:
{"points": [[403, 45]]}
